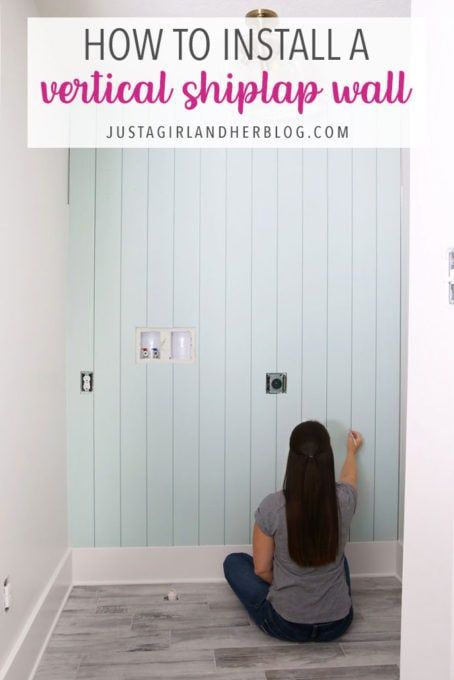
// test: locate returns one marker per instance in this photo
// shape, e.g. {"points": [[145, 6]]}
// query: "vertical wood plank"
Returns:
{"points": [[212, 345], [186, 377], [364, 332], [339, 373], [107, 348], [160, 376], [80, 347], [388, 345], [289, 304], [238, 346], [264, 316], [315, 294], [133, 375]]}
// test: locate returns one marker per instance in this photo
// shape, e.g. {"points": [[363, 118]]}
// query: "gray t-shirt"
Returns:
{"points": [[307, 594]]}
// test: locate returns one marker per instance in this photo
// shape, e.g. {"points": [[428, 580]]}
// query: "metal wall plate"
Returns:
{"points": [[276, 383]]}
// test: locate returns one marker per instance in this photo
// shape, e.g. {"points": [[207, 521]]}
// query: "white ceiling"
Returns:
{"points": [[220, 8]]}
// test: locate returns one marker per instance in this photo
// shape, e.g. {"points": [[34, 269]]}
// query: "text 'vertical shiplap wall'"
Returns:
{"points": [[284, 260]]}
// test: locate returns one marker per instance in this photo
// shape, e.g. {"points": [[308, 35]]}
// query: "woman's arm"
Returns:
{"points": [[263, 553], [349, 473]]}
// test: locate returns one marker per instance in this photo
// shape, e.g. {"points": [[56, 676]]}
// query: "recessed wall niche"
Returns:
{"points": [[174, 345]]}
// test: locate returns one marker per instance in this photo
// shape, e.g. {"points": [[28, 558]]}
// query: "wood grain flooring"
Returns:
{"points": [[132, 633]]}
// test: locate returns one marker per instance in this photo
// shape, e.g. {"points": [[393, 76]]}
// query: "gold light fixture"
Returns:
{"points": [[261, 14], [259, 20]]}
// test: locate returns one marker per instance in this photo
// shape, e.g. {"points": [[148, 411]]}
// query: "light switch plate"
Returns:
{"points": [[451, 275]]}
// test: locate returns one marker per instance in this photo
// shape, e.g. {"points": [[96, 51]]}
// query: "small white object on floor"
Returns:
{"points": [[172, 596]]}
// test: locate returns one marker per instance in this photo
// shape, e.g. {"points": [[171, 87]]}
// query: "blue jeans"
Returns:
{"points": [[252, 591]]}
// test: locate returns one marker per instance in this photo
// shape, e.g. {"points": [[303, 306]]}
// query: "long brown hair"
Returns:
{"points": [[310, 497]]}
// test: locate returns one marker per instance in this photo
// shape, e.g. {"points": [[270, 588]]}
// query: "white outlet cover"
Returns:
{"points": [[7, 599]]}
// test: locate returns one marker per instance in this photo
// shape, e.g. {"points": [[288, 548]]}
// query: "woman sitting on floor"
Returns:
{"points": [[297, 584]]}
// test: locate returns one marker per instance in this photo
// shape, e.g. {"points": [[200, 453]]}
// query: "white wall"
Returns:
{"points": [[33, 239], [428, 574]]}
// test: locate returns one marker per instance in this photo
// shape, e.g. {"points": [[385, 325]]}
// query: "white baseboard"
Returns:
{"points": [[166, 564], [377, 558], [26, 653], [174, 564]]}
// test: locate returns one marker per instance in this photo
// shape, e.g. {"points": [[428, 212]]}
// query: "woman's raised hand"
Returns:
{"points": [[354, 441]]}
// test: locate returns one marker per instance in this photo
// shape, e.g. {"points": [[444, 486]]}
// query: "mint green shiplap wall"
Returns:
{"points": [[284, 261]]}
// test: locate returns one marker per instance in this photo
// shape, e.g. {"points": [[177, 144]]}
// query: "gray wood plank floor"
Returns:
{"points": [[131, 633]]}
